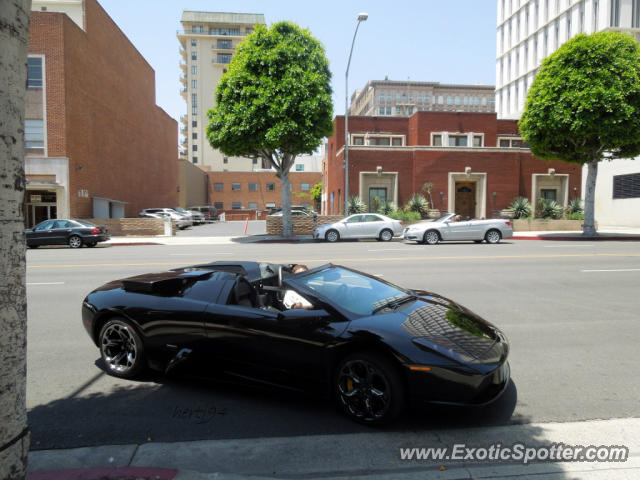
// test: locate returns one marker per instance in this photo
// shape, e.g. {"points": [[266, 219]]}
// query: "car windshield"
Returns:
{"points": [[444, 217], [357, 293]]}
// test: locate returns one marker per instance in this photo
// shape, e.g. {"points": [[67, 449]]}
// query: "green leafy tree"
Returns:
{"points": [[274, 101], [316, 194], [584, 106]]}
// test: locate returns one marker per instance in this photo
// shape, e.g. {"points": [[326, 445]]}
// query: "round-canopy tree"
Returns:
{"points": [[274, 101], [584, 106]]}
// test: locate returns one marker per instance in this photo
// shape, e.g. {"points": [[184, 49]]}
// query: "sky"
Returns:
{"points": [[446, 41]]}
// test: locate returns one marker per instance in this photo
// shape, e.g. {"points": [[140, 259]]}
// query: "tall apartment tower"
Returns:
{"points": [[529, 31], [403, 98], [208, 41]]}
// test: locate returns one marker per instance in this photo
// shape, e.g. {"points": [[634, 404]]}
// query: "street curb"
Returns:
{"points": [[129, 244], [578, 238], [105, 473]]}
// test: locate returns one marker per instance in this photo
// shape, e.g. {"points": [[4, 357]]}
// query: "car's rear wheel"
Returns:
{"points": [[492, 236], [386, 235], [121, 348], [75, 241], [332, 236], [369, 389], [431, 237]]}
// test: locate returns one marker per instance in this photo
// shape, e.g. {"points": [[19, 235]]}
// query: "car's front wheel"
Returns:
{"points": [[386, 235], [431, 237], [332, 236], [493, 236], [121, 348], [369, 389], [75, 241]]}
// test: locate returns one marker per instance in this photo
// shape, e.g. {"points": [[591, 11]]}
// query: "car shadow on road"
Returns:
{"points": [[185, 407]]}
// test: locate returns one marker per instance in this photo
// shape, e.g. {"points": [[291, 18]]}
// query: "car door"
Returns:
{"points": [[372, 226], [353, 226], [455, 230], [41, 233], [60, 232]]}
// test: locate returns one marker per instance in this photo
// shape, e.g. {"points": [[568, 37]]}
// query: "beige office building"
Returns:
{"points": [[400, 98], [207, 43]]}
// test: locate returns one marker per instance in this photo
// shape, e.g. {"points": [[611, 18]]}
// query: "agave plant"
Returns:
{"points": [[355, 205], [417, 203], [521, 207], [548, 209], [575, 206], [386, 207]]}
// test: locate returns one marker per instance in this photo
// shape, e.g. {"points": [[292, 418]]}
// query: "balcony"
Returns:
{"points": [[183, 67], [183, 53], [183, 93], [184, 119]]}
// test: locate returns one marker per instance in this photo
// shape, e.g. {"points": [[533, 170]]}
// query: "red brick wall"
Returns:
{"points": [[101, 113], [261, 196], [508, 171]]}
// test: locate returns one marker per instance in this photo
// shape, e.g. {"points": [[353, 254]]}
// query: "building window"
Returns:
{"points": [[254, 161], [194, 69], [225, 160], [440, 100], [615, 13], [224, 44], [410, 97], [626, 186], [194, 55], [194, 159], [504, 144], [437, 141], [194, 135], [398, 97], [34, 72], [596, 12], [194, 148], [388, 110], [194, 123], [253, 187], [357, 140], [449, 100], [396, 141], [248, 30], [236, 206], [512, 143], [253, 205], [194, 83], [549, 194], [194, 98], [271, 187], [235, 187], [457, 140], [477, 140], [384, 141], [196, 28], [299, 167], [194, 42], [34, 134], [224, 31], [219, 205], [382, 98], [305, 187], [381, 110], [194, 110], [224, 58], [457, 100], [218, 187]]}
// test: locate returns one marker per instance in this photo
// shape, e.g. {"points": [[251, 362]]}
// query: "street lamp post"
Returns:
{"points": [[361, 18]]}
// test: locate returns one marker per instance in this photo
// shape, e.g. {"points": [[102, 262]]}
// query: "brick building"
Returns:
{"points": [[239, 193], [477, 163], [97, 144]]}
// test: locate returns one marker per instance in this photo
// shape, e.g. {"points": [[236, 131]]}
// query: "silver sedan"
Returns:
{"points": [[450, 227], [361, 225]]}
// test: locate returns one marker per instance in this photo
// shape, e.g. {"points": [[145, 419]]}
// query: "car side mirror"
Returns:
{"points": [[300, 317]]}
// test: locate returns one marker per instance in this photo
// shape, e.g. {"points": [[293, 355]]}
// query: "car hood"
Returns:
{"points": [[437, 324]]}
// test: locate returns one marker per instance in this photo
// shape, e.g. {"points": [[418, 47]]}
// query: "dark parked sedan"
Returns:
{"points": [[60, 231], [370, 344]]}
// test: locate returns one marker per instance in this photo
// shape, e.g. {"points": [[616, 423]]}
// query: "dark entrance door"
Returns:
{"points": [[377, 197], [466, 199]]}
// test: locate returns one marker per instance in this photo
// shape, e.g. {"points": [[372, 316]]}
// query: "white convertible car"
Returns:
{"points": [[450, 227]]}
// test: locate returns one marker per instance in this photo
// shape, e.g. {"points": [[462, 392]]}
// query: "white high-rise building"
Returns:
{"points": [[529, 31], [208, 41]]}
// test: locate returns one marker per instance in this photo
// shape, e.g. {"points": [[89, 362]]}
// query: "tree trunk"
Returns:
{"points": [[287, 224], [589, 226], [14, 433]]}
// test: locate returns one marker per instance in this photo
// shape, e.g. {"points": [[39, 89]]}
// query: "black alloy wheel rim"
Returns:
{"points": [[364, 390], [119, 348]]}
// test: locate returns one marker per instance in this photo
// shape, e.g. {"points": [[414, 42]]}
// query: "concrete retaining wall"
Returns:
{"points": [[540, 225]]}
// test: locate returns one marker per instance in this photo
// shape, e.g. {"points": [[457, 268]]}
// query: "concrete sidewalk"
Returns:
{"points": [[604, 234], [372, 456]]}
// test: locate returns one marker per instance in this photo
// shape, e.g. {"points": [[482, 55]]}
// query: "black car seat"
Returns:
{"points": [[243, 293]]}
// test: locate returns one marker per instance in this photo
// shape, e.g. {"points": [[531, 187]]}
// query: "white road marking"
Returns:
{"points": [[618, 270], [567, 246], [199, 254], [388, 250], [46, 283]]}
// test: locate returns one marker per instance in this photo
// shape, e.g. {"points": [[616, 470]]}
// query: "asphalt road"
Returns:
{"points": [[570, 310]]}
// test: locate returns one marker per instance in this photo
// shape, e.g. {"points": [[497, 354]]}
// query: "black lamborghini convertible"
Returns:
{"points": [[371, 344]]}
